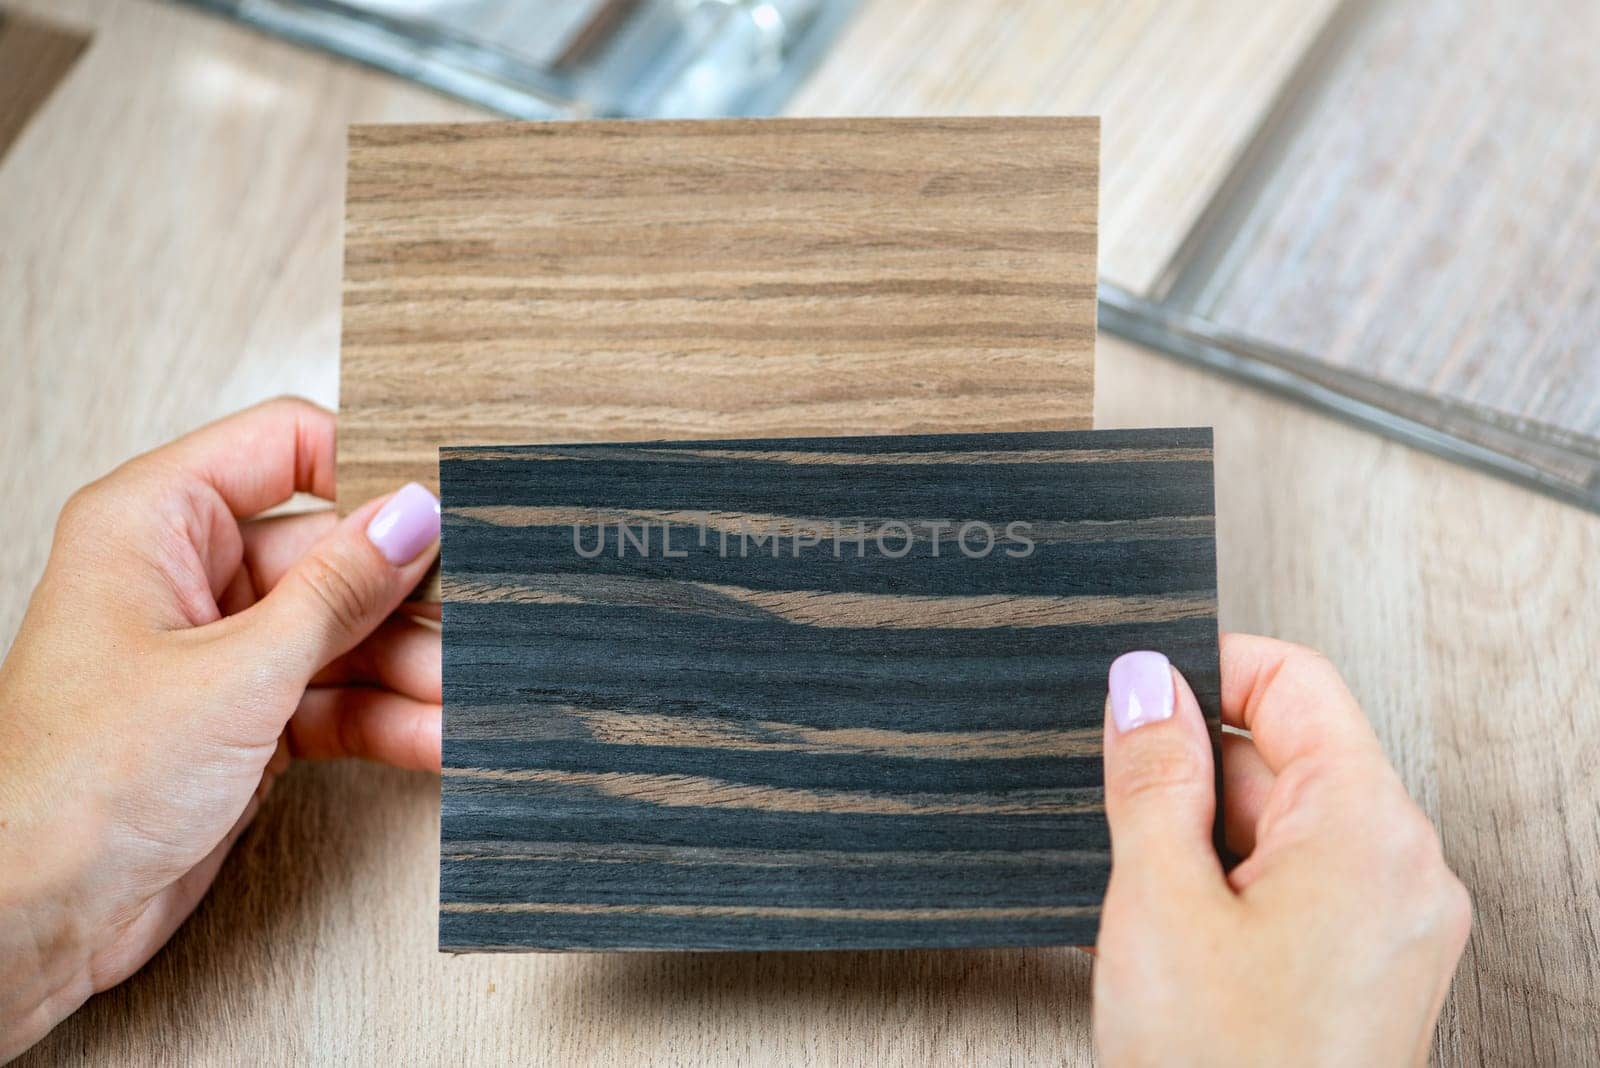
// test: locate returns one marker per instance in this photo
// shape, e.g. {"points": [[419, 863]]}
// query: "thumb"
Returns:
{"points": [[1160, 784], [350, 580]]}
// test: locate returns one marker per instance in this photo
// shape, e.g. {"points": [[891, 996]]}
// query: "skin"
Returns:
{"points": [[1332, 943], [175, 656], [178, 653]]}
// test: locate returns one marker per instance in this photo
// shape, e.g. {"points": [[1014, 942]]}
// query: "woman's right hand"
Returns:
{"points": [[1332, 942]]}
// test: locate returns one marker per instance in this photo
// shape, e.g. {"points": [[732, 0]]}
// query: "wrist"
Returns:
{"points": [[47, 849]]}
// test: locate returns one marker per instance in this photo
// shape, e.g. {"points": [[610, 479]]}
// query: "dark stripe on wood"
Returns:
{"points": [[919, 679], [515, 816], [633, 928], [1037, 491], [815, 884], [797, 750], [828, 771]]}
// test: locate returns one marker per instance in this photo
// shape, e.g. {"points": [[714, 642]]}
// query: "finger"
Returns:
{"points": [[347, 584], [1160, 783], [1246, 782], [402, 655], [272, 546], [428, 610], [335, 722], [238, 594], [1292, 701], [261, 456]]}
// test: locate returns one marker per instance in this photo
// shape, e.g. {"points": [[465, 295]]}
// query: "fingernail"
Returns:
{"points": [[407, 524], [1141, 689]]}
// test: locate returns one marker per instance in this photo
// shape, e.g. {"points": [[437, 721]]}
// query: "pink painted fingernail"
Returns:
{"points": [[407, 524], [1141, 689]]}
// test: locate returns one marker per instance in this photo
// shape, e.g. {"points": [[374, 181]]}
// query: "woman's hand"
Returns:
{"points": [[1335, 939], [175, 655]]}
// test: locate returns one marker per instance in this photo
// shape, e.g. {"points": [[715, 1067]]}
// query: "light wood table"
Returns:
{"points": [[170, 227]]}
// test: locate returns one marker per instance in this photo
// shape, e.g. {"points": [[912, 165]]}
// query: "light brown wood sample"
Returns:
{"points": [[512, 282], [34, 56]]}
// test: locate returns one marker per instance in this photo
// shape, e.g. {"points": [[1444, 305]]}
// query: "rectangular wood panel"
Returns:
{"points": [[802, 693], [606, 281]]}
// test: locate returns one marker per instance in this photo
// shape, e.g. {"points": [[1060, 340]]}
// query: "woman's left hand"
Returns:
{"points": [[175, 656]]}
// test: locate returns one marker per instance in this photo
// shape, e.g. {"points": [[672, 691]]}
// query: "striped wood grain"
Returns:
{"points": [[595, 281], [802, 703]]}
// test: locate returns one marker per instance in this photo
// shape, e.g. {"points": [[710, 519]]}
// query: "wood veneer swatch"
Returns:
{"points": [[811, 693], [34, 56], [603, 281]]}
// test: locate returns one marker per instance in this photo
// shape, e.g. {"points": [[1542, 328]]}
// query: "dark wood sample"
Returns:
{"points": [[610, 281], [34, 56], [802, 693]]}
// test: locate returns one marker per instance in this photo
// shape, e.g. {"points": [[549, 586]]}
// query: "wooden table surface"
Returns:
{"points": [[171, 252]]}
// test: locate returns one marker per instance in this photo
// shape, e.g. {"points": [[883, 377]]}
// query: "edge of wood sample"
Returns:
{"points": [[608, 280], [35, 55], [814, 693]]}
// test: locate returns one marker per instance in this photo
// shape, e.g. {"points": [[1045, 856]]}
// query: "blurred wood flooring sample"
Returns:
{"points": [[806, 693], [34, 56], [510, 282], [1432, 219], [1182, 86]]}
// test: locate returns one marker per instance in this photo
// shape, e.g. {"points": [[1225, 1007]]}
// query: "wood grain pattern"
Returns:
{"points": [[34, 56], [507, 282], [1181, 87], [810, 693], [1457, 605], [1460, 264]]}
